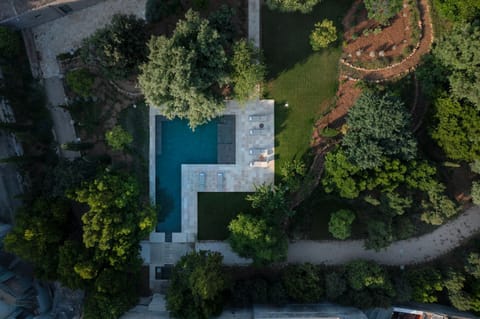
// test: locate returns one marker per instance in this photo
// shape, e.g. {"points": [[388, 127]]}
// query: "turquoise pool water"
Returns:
{"points": [[176, 145]]}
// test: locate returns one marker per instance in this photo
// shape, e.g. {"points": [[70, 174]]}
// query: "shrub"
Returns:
{"points": [[10, 43], [222, 21], [117, 138], [476, 193], [80, 81], [304, 6], [426, 283], [340, 224], [475, 166], [329, 132], [438, 208], [382, 10], [335, 285], [380, 234], [323, 34], [304, 283], [293, 173]]}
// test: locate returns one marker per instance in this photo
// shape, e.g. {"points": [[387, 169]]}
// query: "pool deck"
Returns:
{"points": [[248, 170]]}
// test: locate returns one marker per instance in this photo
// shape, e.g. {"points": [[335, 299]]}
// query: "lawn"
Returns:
{"points": [[216, 210], [307, 81]]}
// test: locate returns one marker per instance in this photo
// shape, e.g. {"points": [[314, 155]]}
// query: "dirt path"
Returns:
{"points": [[406, 65]]}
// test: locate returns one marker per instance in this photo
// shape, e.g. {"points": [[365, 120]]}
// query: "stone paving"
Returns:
{"points": [[66, 34]]}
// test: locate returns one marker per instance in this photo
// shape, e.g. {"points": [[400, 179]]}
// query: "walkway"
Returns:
{"points": [[408, 64], [404, 252]]}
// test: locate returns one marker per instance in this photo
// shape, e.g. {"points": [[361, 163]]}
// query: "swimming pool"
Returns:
{"points": [[176, 144]]}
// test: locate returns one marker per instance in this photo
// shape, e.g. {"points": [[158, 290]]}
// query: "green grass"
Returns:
{"points": [[216, 210], [135, 121], [306, 80]]}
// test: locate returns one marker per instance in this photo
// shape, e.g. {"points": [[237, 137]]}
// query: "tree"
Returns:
{"points": [[340, 175], [426, 283], [458, 10], [456, 127], [475, 193], [304, 283], [380, 234], [335, 285], [323, 34], [10, 43], [459, 51], [80, 81], [273, 202], [438, 208], [383, 10], [222, 21], [117, 138], [473, 265], [340, 224], [184, 73], [71, 253], [303, 6], [252, 237], [248, 71], [293, 173], [363, 274], [116, 220], [378, 126], [119, 48], [40, 228], [68, 175], [197, 286]]}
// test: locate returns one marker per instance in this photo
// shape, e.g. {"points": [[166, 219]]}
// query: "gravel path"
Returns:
{"points": [[66, 34], [404, 252]]}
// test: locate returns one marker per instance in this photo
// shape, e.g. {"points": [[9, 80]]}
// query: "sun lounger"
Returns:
{"points": [[258, 164], [257, 151], [202, 181], [257, 131], [257, 118], [220, 181]]}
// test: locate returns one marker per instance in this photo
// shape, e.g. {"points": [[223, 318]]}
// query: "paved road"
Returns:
{"points": [[415, 250], [62, 121]]}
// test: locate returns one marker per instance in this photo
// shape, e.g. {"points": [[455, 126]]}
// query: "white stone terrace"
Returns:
{"points": [[254, 130]]}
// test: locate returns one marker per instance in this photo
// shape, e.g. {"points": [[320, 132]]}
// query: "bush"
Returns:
{"points": [[323, 34], [335, 285], [329, 132], [222, 21], [10, 43], [304, 283], [475, 166], [340, 224], [117, 138], [304, 6], [80, 81], [383, 10], [380, 234], [476, 193]]}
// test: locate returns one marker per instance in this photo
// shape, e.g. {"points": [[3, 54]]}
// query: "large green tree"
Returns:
{"points": [[248, 71], [40, 228], [303, 6], [253, 237], [378, 126], [197, 286], [459, 51], [383, 10], [116, 221], [457, 128], [118, 48], [184, 73]]}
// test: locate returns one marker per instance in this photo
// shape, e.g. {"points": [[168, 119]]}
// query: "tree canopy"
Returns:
{"points": [[323, 34], [117, 138], [303, 6], [184, 73], [459, 51], [197, 286], [119, 48], [341, 223], [248, 71], [378, 126]]}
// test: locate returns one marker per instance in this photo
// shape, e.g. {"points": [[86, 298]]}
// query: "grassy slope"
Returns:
{"points": [[216, 210], [297, 75]]}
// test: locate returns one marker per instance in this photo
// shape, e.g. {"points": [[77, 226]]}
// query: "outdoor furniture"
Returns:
{"points": [[202, 181], [257, 151], [262, 164], [257, 131], [257, 118], [220, 181]]}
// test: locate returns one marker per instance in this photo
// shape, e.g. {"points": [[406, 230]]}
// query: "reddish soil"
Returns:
{"points": [[392, 41], [406, 65]]}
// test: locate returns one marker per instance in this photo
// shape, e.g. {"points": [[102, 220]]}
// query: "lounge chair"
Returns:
{"points": [[257, 151], [257, 131], [220, 181], [202, 181], [263, 164], [257, 118]]}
